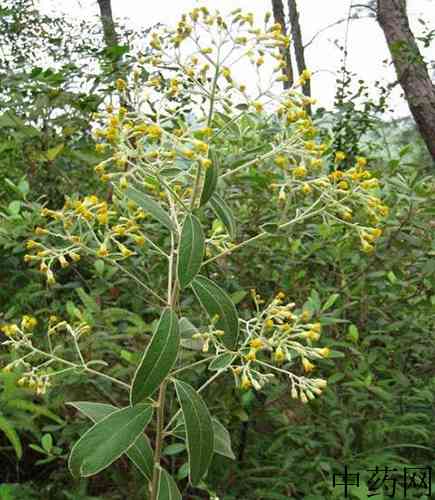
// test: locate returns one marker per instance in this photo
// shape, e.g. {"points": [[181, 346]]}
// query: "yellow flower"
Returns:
{"points": [[361, 161], [102, 251], [260, 61], [103, 216], [370, 184], [343, 185], [31, 244], [201, 147], [307, 189], [317, 327], [316, 162], [120, 84], [126, 252], [188, 153], [226, 73], [74, 256], [280, 161], [50, 277], [340, 156], [9, 330], [279, 355], [269, 323], [99, 169], [28, 322], [308, 366], [256, 343], [324, 352], [258, 106], [39, 231], [245, 383], [252, 355], [320, 383], [300, 171], [154, 131], [313, 335], [206, 163], [306, 74], [63, 262], [367, 247]]}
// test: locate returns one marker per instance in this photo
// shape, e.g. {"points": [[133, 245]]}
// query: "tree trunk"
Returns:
{"points": [[295, 28], [411, 69], [278, 14], [109, 29]]}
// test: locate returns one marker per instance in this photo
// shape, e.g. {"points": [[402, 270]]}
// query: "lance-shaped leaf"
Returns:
{"points": [[224, 213], [140, 453], [167, 488], [222, 440], [187, 331], [149, 205], [217, 302], [191, 250], [199, 430], [158, 359], [210, 182], [108, 439]]}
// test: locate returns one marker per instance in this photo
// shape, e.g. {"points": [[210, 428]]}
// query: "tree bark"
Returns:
{"points": [[295, 28], [110, 35], [279, 16], [412, 72]]}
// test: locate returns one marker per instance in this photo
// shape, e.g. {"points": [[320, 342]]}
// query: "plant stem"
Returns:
{"points": [[172, 286], [159, 439], [81, 367]]}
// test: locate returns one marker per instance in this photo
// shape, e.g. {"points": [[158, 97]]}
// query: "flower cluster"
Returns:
{"points": [[277, 337], [350, 197], [35, 366], [87, 226]]}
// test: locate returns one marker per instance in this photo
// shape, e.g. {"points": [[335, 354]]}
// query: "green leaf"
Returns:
{"points": [[187, 330], [352, 333], [141, 453], [54, 152], [210, 182], [216, 302], [149, 205], [192, 246], [14, 207], [167, 489], [330, 302], [222, 440], [88, 301], [158, 359], [108, 439], [199, 430], [21, 404], [12, 436], [174, 449], [221, 362], [47, 442], [238, 296], [224, 213]]}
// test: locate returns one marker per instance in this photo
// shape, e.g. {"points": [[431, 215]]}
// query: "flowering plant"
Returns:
{"points": [[168, 161]]}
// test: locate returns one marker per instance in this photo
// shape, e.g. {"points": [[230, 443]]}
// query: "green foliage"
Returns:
{"points": [[108, 439], [377, 308]]}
